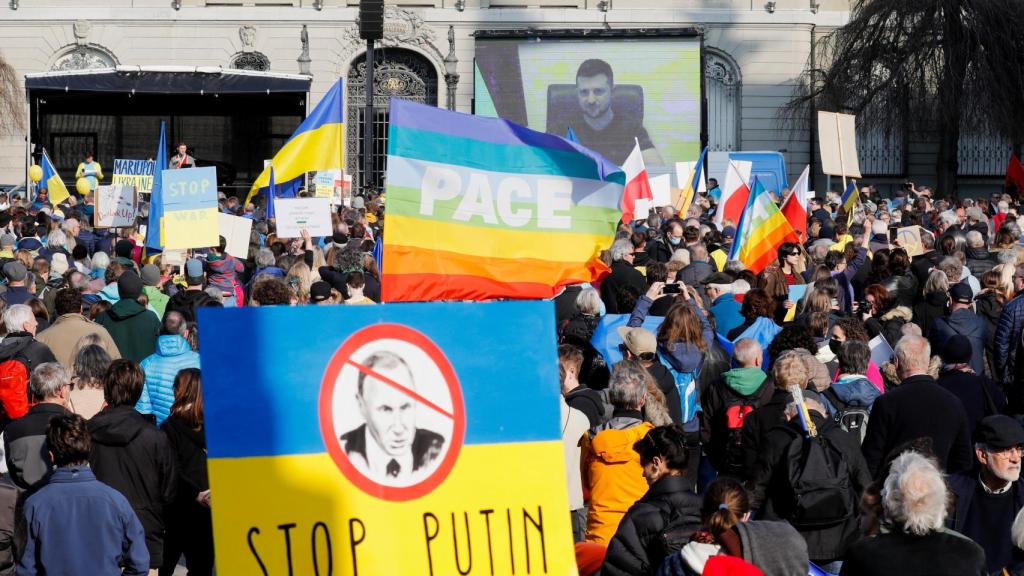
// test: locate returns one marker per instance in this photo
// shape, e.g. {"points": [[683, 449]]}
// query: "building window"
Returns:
{"points": [[257, 61], [982, 153]]}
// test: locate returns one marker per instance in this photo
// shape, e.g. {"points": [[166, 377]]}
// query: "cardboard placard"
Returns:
{"points": [[909, 238], [137, 173], [190, 208], [661, 189], [837, 140], [296, 214], [236, 231], [116, 206]]}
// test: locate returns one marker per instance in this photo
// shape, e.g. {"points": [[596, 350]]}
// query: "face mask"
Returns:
{"points": [[835, 346], [674, 241]]}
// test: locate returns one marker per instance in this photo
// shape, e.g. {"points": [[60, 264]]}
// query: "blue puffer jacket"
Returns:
{"points": [[856, 391], [173, 355]]}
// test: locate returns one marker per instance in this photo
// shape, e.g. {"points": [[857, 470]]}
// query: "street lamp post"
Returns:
{"points": [[451, 67]]}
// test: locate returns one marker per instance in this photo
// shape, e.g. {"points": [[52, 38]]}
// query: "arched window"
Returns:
{"points": [[397, 73], [83, 57], [257, 61], [722, 82]]}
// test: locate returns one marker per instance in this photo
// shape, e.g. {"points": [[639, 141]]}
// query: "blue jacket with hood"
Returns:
{"points": [[173, 354]]}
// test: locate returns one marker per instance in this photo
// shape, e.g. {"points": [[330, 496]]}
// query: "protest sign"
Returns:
{"points": [[173, 257], [881, 351], [137, 173], [909, 238], [837, 139], [486, 486], [190, 208], [661, 189], [297, 214], [116, 206], [325, 182], [236, 230], [796, 293]]}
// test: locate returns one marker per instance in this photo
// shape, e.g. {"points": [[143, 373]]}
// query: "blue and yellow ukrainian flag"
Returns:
{"points": [[315, 145], [850, 197], [277, 468], [51, 183], [692, 185]]}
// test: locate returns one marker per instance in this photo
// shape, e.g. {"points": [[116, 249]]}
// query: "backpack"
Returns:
{"points": [[677, 531], [735, 412], [821, 494], [852, 419], [686, 385], [14, 375]]}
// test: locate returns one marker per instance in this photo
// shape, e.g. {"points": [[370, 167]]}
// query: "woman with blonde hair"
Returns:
{"points": [[299, 280]]}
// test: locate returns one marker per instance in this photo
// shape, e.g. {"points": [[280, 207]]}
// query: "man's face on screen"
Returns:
{"points": [[595, 94]]}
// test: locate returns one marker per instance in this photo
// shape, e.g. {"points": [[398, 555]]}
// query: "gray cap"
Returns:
{"points": [[150, 275], [15, 271]]}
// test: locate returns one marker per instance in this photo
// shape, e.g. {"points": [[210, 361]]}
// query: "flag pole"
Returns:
{"points": [[842, 159]]}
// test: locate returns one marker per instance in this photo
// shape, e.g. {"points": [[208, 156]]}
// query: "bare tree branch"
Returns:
{"points": [[12, 120]]}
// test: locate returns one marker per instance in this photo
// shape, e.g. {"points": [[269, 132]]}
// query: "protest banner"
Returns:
{"points": [[190, 208], [837, 140], [116, 206], [137, 173], [236, 231], [297, 214], [480, 208], [909, 238], [326, 182], [303, 483]]}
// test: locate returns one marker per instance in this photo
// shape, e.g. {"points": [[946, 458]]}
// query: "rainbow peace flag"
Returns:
{"points": [[315, 145], [761, 231], [306, 453], [481, 208]]}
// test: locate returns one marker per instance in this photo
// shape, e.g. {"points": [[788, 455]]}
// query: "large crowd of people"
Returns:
{"points": [[104, 451], [851, 409], [854, 408]]}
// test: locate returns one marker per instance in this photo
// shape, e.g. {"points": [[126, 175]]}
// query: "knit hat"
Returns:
{"points": [[58, 263], [129, 285], [123, 248], [150, 275], [956, 350]]}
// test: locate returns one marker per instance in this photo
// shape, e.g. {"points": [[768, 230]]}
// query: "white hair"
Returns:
{"points": [[1004, 206], [723, 288], [879, 227], [100, 260], [746, 351], [949, 218], [57, 239], [681, 255], [974, 239], [914, 494], [69, 224], [16, 316], [740, 287], [588, 301], [47, 380], [620, 249]]}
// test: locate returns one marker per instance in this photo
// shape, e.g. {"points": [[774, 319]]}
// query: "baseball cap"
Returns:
{"points": [[729, 231], [150, 275], [15, 271], [194, 272], [999, 432], [961, 293], [319, 291], [638, 340]]}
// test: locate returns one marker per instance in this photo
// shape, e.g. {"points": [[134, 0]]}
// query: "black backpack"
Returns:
{"points": [[677, 531], [821, 493], [852, 419], [734, 412]]}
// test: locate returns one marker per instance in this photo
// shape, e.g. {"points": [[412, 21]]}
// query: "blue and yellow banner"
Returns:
{"points": [[315, 145], [190, 208], [394, 439]]}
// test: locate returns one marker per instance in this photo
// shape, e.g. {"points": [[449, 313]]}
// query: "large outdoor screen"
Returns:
{"points": [[612, 92]]}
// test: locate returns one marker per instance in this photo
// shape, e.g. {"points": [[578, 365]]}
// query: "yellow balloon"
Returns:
{"points": [[82, 185], [35, 172]]}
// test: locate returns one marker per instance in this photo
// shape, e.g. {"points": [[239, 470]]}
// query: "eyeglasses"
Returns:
{"points": [[1008, 453]]}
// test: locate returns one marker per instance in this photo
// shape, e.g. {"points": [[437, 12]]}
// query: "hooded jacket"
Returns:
{"points": [[965, 323], [683, 357], [989, 306], [133, 328], [223, 272], [726, 311], [173, 354], [932, 306], [636, 548], [889, 324], [855, 391], [22, 345], [612, 472], [131, 455], [25, 445]]}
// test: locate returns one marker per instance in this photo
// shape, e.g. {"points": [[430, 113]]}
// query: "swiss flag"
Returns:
{"points": [[795, 206], [637, 184], [734, 197], [1015, 174]]}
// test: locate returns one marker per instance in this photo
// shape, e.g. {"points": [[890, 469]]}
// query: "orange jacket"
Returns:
{"points": [[612, 473]]}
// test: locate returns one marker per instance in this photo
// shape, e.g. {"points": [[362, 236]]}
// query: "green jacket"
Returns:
{"points": [[133, 328], [157, 299]]}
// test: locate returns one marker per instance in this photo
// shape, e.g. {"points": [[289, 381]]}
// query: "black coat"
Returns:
{"points": [[971, 389], [589, 402], [132, 455], [963, 322], [337, 280], [928, 309], [189, 448], [622, 275], [918, 408], [979, 261], [901, 554], [759, 422], [922, 264], [637, 549], [659, 250], [771, 482], [186, 302]]}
